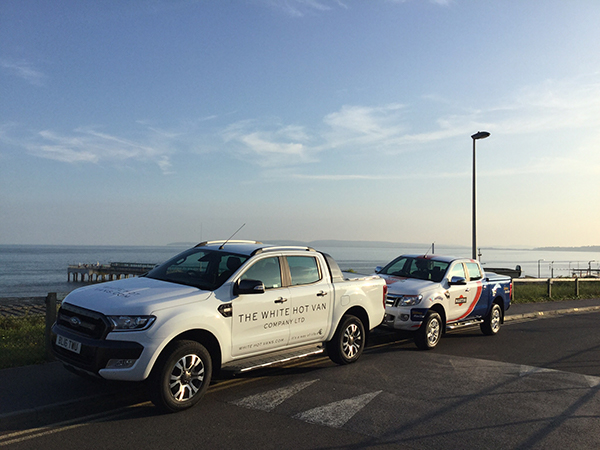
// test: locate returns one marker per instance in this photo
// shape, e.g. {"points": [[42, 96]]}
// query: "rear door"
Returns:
{"points": [[312, 296], [478, 304]]}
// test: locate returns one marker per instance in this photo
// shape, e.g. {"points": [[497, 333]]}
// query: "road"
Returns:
{"points": [[534, 385]]}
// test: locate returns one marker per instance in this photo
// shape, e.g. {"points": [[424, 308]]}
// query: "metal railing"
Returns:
{"points": [[555, 288]]}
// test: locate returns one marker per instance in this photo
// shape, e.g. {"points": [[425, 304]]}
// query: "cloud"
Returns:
{"points": [[279, 147], [375, 131], [555, 105], [88, 145], [369, 131], [354, 128], [24, 70], [299, 8]]}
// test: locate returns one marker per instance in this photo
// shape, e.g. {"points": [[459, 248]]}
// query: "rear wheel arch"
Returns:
{"points": [[359, 312], [491, 323], [500, 301], [348, 342]]}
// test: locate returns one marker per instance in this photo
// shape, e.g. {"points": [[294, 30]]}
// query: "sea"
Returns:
{"points": [[36, 270]]}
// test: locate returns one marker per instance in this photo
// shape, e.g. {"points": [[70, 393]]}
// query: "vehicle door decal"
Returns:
{"points": [[460, 300], [475, 300]]}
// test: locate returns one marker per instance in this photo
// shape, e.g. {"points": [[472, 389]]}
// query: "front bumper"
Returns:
{"points": [[404, 318], [94, 354]]}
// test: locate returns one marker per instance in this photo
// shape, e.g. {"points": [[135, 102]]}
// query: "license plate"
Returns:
{"points": [[68, 344]]}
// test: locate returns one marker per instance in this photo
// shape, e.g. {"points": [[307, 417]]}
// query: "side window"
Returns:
{"points": [[228, 264], [303, 269], [397, 268], [438, 270], [474, 272], [457, 270], [266, 270]]}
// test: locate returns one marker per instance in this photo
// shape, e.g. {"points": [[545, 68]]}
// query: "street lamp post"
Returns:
{"points": [[478, 135], [539, 261]]}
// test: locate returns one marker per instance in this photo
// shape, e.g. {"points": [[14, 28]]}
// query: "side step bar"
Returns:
{"points": [[454, 326], [262, 361]]}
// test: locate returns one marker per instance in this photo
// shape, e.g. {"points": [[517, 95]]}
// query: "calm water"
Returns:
{"points": [[36, 270]]}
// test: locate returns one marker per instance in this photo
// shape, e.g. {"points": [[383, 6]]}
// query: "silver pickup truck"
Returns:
{"points": [[430, 294]]}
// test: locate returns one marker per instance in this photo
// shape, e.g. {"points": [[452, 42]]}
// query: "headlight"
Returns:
{"points": [[410, 300], [131, 323]]}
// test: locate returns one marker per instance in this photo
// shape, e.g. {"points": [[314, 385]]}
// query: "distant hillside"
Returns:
{"points": [[328, 243], [386, 244], [589, 248], [341, 243]]}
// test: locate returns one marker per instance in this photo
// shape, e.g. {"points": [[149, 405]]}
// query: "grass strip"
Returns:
{"points": [[22, 341]]}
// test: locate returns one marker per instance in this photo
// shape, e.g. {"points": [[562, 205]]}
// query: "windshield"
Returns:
{"points": [[420, 268], [201, 268]]}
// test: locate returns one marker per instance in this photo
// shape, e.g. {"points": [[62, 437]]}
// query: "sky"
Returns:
{"points": [[158, 121]]}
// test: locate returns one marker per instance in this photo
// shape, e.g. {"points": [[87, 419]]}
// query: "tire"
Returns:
{"points": [[181, 376], [430, 332], [348, 341], [491, 324]]}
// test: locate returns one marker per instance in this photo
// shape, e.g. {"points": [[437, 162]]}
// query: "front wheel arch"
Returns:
{"points": [[180, 376], [430, 332], [438, 308]]}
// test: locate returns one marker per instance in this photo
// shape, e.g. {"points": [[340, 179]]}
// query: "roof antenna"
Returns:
{"points": [[223, 245]]}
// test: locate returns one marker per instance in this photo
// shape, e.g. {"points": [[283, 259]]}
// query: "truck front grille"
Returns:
{"points": [[392, 300], [83, 321]]}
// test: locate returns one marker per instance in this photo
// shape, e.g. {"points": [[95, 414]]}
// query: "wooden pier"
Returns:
{"points": [[97, 273]]}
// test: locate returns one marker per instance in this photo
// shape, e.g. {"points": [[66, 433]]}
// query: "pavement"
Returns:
{"points": [[18, 307], [47, 393]]}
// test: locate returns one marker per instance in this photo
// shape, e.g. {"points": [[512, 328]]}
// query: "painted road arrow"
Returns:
{"points": [[268, 401], [338, 413]]}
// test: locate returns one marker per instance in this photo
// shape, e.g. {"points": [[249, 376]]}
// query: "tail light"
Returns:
{"points": [[385, 291]]}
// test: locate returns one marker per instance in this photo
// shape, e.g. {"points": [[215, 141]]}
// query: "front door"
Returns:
{"points": [[462, 297], [261, 322]]}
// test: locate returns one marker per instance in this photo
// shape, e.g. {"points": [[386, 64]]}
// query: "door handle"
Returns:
{"points": [[321, 294], [281, 300]]}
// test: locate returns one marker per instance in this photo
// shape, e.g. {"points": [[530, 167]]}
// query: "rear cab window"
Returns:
{"points": [[303, 270], [474, 271]]}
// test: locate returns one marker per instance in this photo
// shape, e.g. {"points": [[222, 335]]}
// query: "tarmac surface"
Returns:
{"points": [[47, 391]]}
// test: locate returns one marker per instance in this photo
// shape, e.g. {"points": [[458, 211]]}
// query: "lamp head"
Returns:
{"points": [[480, 135]]}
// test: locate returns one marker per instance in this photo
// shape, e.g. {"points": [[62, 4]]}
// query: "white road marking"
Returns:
{"points": [[268, 401], [592, 381], [338, 413], [530, 370]]}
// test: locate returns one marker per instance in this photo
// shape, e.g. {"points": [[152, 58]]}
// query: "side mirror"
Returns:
{"points": [[249, 287], [457, 281], [378, 269]]}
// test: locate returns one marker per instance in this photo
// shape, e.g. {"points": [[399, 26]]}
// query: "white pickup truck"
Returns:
{"points": [[430, 294], [219, 304]]}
